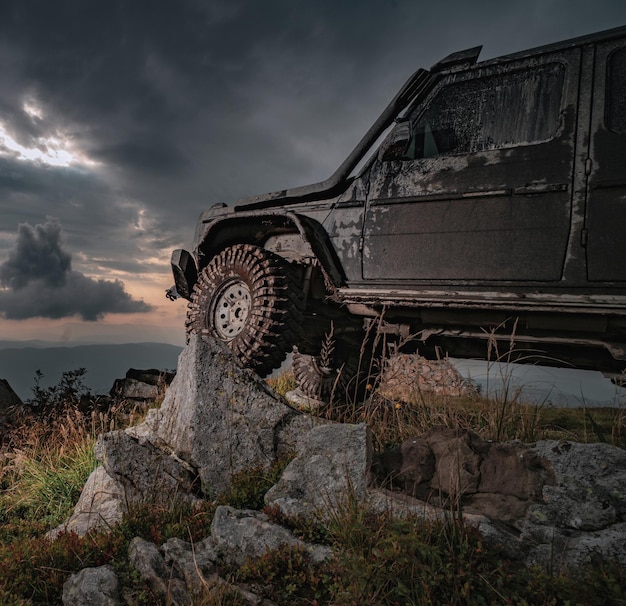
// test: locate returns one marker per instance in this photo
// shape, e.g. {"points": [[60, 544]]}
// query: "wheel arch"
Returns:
{"points": [[274, 231]]}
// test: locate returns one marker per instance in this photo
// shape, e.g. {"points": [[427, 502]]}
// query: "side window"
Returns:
{"points": [[616, 92], [502, 110]]}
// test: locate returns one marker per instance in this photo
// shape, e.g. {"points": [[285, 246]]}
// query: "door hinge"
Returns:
{"points": [[588, 165], [584, 235], [361, 244]]}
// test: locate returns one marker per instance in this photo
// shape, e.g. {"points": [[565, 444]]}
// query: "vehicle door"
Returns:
{"points": [[606, 186], [482, 191]]}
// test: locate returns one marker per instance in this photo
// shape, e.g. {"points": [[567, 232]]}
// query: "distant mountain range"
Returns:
{"points": [[19, 362]]}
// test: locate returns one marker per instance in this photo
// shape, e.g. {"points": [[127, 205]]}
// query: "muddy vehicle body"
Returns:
{"points": [[493, 212]]}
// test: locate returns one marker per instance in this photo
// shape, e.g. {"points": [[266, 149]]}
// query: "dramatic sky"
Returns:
{"points": [[121, 120]]}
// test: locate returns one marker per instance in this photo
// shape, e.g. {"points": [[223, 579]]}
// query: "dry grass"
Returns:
{"points": [[502, 418], [49, 455]]}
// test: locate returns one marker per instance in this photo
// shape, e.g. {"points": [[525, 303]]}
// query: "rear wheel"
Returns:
{"points": [[248, 298], [337, 373]]}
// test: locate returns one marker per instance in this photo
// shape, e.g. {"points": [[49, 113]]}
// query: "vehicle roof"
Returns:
{"points": [[602, 36]]}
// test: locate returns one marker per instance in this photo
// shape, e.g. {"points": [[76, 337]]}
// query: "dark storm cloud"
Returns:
{"points": [[37, 256], [37, 280], [147, 154]]}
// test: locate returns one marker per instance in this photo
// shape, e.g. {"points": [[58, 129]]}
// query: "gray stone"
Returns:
{"points": [[221, 418], [142, 384], [241, 534], [407, 377], [333, 464], [194, 562], [554, 504], [9, 403], [100, 505], [146, 473], [161, 578], [581, 517], [8, 398], [135, 390], [93, 586]]}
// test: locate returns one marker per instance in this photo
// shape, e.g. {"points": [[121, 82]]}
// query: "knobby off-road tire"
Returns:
{"points": [[248, 297]]}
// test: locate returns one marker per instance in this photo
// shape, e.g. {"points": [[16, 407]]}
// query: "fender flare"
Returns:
{"points": [[255, 227]]}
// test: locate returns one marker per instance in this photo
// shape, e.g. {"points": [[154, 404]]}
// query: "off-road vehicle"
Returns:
{"points": [[494, 212]]}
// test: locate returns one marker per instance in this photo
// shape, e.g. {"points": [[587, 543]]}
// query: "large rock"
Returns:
{"points": [[93, 586], [582, 516], [101, 505], [142, 384], [9, 403], [333, 464], [217, 419], [146, 472], [451, 466], [221, 418], [242, 534]]}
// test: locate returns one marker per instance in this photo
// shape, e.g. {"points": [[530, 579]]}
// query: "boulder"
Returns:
{"points": [[145, 472], [163, 580], [101, 505], [216, 420], [10, 402], [556, 504], [93, 586], [407, 377], [581, 517], [333, 464], [456, 466], [221, 418], [142, 384], [242, 534]]}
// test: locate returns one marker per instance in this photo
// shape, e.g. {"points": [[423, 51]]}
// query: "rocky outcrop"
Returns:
{"points": [[93, 586], [216, 420], [142, 384], [334, 463], [101, 505], [457, 467], [550, 503], [178, 572], [239, 535], [407, 377], [10, 402]]}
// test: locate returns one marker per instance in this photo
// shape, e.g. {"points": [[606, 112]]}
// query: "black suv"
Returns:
{"points": [[493, 213]]}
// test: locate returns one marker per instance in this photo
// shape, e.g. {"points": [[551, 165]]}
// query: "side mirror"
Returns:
{"points": [[397, 143]]}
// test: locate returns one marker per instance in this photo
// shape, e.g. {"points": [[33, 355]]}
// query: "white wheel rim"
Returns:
{"points": [[231, 310]]}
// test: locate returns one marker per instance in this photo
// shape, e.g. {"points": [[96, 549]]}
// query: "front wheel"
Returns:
{"points": [[248, 298]]}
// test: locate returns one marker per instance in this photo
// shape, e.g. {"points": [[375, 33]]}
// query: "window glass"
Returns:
{"points": [[513, 108], [616, 92]]}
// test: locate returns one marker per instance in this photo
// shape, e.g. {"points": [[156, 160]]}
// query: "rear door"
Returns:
{"points": [[484, 190], [606, 188]]}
